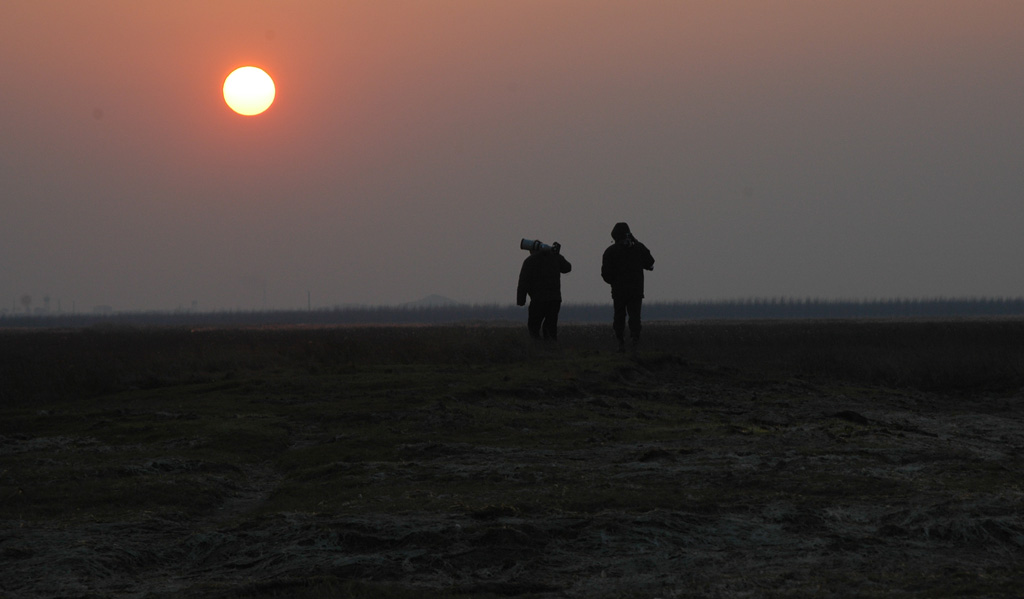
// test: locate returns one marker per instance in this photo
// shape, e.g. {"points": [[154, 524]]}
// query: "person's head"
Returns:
{"points": [[620, 231]]}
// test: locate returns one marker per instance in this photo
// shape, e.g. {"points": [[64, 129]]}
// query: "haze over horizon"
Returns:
{"points": [[850, 149]]}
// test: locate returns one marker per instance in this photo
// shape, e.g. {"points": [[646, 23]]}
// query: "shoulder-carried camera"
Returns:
{"points": [[534, 245]]}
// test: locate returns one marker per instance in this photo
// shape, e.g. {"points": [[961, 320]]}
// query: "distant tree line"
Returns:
{"points": [[744, 309], [781, 308]]}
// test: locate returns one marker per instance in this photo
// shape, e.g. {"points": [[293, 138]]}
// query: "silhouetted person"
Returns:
{"points": [[622, 267], [540, 279]]}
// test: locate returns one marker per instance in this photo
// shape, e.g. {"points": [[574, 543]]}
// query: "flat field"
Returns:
{"points": [[720, 459]]}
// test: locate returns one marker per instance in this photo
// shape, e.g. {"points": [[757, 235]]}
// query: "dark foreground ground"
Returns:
{"points": [[797, 459]]}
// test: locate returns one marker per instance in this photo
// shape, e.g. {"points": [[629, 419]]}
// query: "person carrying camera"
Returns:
{"points": [[540, 279], [622, 266]]}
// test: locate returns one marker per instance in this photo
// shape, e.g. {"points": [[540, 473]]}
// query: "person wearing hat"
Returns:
{"points": [[540, 279], [622, 267]]}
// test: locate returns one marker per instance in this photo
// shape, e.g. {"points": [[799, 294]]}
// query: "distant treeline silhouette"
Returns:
{"points": [[743, 309]]}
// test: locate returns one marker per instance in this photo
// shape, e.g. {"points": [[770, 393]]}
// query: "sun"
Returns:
{"points": [[249, 90]]}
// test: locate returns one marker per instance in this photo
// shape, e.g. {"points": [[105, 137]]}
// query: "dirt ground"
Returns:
{"points": [[785, 488]]}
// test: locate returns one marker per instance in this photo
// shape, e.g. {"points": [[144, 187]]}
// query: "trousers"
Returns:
{"points": [[542, 320], [627, 308]]}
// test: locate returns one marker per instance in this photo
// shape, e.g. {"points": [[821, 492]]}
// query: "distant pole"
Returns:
{"points": [[309, 302]]}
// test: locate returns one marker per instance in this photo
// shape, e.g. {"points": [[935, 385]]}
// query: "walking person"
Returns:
{"points": [[540, 279], [622, 266]]}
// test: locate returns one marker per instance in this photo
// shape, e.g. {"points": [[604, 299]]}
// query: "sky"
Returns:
{"points": [[851, 149]]}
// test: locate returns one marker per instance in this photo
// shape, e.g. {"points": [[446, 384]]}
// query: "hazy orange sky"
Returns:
{"points": [[848, 149]]}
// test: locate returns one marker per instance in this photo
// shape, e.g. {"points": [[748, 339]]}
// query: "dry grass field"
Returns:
{"points": [[722, 459]]}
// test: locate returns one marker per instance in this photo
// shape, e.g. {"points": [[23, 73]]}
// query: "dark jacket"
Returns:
{"points": [[624, 263], [540, 277]]}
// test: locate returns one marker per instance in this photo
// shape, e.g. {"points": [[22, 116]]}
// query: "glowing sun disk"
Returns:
{"points": [[249, 90]]}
